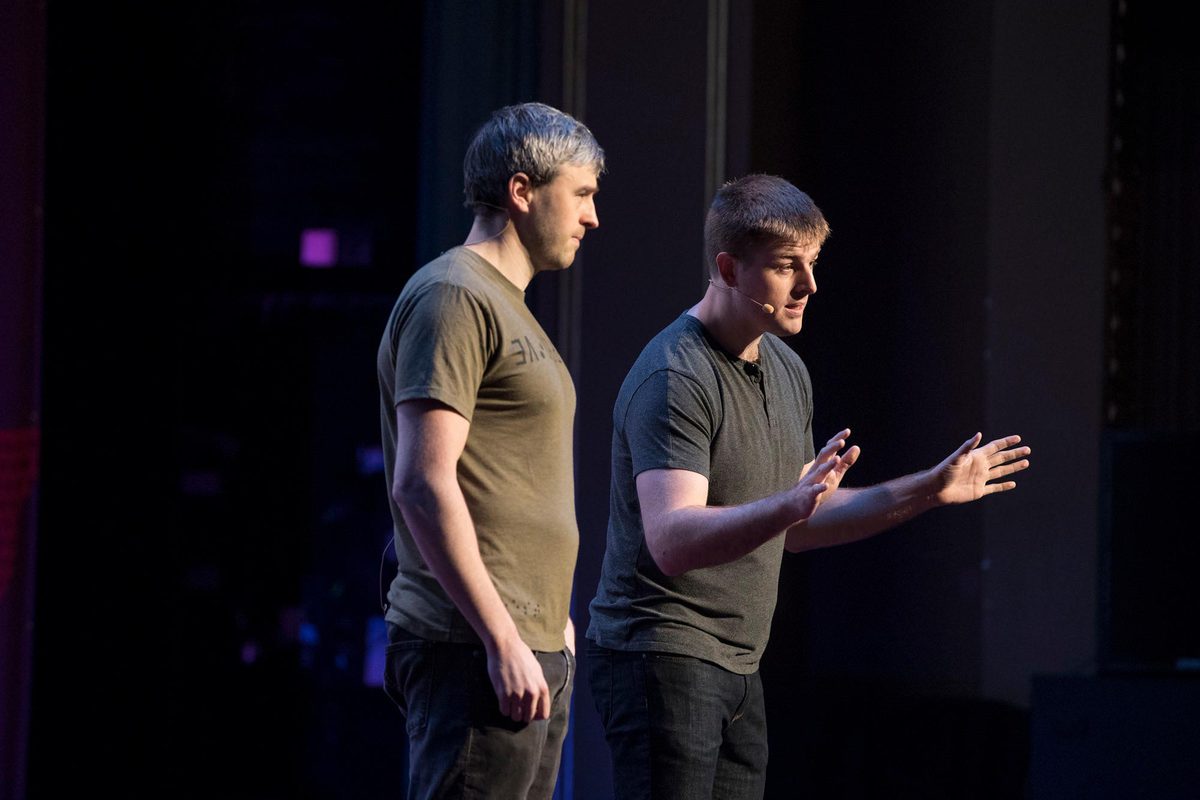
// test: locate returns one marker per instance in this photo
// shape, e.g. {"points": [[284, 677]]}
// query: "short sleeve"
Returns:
{"points": [[805, 389], [670, 423], [443, 348]]}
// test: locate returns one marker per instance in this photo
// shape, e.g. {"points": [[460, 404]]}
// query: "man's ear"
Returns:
{"points": [[520, 190], [727, 267]]}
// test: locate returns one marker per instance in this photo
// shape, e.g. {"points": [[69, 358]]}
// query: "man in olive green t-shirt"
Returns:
{"points": [[477, 413]]}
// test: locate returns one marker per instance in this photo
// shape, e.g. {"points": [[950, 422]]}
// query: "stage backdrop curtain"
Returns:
{"points": [[22, 82]]}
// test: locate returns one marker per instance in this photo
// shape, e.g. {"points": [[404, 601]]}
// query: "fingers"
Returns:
{"points": [[1002, 461], [529, 706], [1003, 443], [967, 446], [808, 499], [837, 439], [1007, 469], [848, 458], [833, 446], [1004, 456], [520, 686], [819, 474], [997, 451], [541, 705], [828, 453]]}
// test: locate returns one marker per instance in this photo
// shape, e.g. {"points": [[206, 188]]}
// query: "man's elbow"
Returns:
{"points": [[665, 557], [794, 544], [667, 565], [803, 539], [795, 540], [412, 490]]}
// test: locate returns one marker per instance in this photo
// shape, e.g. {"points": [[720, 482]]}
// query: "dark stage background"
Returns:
{"points": [[1012, 189]]}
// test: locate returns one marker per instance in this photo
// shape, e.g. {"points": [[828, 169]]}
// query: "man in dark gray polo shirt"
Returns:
{"points": [[714, 475]]}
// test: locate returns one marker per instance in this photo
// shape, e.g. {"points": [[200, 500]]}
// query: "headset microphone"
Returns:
{"points": [[766, 307]]}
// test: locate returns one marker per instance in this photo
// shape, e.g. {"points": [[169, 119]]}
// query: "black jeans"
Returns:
{"points": [[458, 743], [679, 727]]}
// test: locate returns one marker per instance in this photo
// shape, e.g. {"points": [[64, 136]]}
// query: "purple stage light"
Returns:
{"points": [[318, 248]]}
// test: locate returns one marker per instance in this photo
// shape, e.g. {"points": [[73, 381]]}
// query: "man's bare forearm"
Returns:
{"points": [[696, 536], [969, 473], [437, 516], [684, 533], [850, 515], [704, 536]]}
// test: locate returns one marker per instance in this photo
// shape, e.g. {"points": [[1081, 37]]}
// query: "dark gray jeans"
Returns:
{"points": [[679, 727], [459, 745]]}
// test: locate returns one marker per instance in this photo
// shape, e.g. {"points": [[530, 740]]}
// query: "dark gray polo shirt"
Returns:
{"points": [[686, 404]]}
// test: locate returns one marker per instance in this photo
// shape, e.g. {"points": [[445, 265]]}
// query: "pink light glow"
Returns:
{"points": [[318, 247]]}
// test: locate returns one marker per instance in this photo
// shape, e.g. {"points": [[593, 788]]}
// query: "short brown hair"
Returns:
{"points": [[760, 209]]}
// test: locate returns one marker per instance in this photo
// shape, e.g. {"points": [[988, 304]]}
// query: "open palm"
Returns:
{"points": [[968, 473]]}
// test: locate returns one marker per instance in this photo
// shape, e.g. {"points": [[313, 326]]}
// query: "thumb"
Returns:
{"points": [[968, 445]]}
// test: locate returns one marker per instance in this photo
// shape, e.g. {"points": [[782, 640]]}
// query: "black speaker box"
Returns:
{"points": [[1115, 738], [1149, 566]]}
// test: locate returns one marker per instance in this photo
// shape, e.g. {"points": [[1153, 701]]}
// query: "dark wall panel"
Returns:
{"points": [[642, 268], [1045, 335], [881, 116]]}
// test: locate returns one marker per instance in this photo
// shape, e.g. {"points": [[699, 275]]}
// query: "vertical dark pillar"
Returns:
{"points": [[1044, 325], [1147, 600], [22, 40], [476, 57], [653, 101], [881, 115]]}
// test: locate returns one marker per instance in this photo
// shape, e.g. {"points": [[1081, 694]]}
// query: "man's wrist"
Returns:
{"points": [[929, 491], [502, 641]]}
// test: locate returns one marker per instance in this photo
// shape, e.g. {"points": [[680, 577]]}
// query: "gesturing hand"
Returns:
{"points": [[519, 682], [821, 477], [966, 474]]}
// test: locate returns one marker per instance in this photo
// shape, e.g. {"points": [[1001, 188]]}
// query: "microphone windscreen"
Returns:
{"points": [[767, 307]]}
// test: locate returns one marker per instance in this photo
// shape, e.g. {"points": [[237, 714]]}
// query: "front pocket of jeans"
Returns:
{"points": [[410, 683]]}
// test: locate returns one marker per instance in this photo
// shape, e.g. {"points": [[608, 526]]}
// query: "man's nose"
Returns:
{"points": [[806, 283], [589, 218]]}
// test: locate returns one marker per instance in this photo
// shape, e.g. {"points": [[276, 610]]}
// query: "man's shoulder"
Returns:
{"points": [[680, 354], [457, 268], [781, 352], [680, 347], [457, 282], [446, 299]]}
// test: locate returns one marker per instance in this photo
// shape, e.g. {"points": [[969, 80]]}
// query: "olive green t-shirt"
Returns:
{"points": [[462, 335]]}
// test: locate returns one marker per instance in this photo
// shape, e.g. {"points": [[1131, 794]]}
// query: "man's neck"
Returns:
{"points": [[720, 317], [494, 239]]}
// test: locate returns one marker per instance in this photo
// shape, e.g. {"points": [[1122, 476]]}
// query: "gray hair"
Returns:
{"points": [[532, 138], [760, 209]]}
